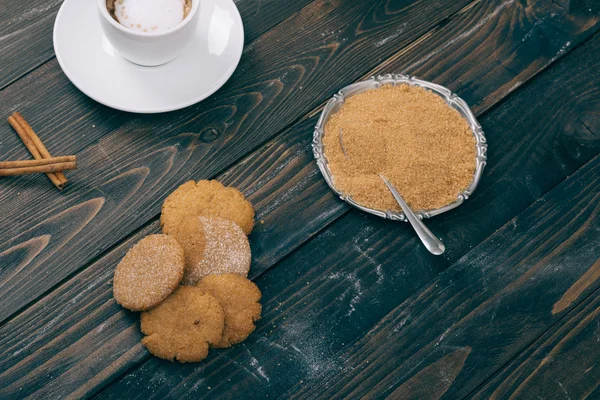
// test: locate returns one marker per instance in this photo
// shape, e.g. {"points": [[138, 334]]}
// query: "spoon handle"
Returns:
{"points": [[430, 241]]}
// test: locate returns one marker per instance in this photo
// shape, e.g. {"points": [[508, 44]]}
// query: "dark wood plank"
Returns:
{"points": [[288, 301], [279, 179], [125, 175], [331, 291], [451, 55], [25, 36], [26, 30], [473, 65], [453, 334], [261, 16], [92, 353], [562, 362]]}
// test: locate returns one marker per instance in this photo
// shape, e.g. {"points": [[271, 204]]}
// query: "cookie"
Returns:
{"points": [[208, 198], [212, 245], [150, 271], [239, 298], [183, 326]]}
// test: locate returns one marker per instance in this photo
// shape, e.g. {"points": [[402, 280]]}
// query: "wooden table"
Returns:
{"points": [[352, 305]]}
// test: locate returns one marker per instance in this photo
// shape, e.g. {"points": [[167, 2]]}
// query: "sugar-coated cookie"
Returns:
{"points": [[212, 245], [150, 271]]}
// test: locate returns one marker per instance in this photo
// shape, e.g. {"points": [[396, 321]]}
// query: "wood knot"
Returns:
{"points": [[209, 135]]}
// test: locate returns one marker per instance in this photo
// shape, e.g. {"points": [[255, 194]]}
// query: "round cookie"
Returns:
{"points": [[209, 198], [212, 245], [150, 271], [182, 327], [239, 298]]}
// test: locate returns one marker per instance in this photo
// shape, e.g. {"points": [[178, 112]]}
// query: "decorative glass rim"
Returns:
{"points": [[336, 102]]}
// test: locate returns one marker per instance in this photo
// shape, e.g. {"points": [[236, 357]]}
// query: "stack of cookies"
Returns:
{"points": [[190, 282]]}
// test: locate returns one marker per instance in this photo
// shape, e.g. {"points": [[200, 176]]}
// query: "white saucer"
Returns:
{"points": [[91, 63]]}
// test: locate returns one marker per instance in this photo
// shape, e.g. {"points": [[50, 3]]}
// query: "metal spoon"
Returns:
{"points": [[432, 243]]}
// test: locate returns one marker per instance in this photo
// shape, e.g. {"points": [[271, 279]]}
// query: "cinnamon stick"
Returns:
{"points": [[71, 160], [47, 165], [35, 146], [38, 143]]}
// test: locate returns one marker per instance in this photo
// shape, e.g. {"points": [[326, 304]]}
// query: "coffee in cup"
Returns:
{"points": [[149, 32], [149, 15]]}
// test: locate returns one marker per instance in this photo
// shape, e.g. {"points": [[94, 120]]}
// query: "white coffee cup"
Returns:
{"points": [[149, 48]]}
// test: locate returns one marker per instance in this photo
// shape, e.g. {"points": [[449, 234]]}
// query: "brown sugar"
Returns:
{"points": [[409, 135]]}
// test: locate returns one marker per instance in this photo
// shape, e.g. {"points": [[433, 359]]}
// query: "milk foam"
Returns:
{"points": [[150, 15]]}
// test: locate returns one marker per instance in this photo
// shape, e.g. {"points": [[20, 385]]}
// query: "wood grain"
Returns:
{"points": [[26, 30], [25, 36], [135, 166], [439, 375], [276, 165], [67, 322], [495, 300], [337, 286], [446, 56], [269, 175], [562, 361], [577, 289]]}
